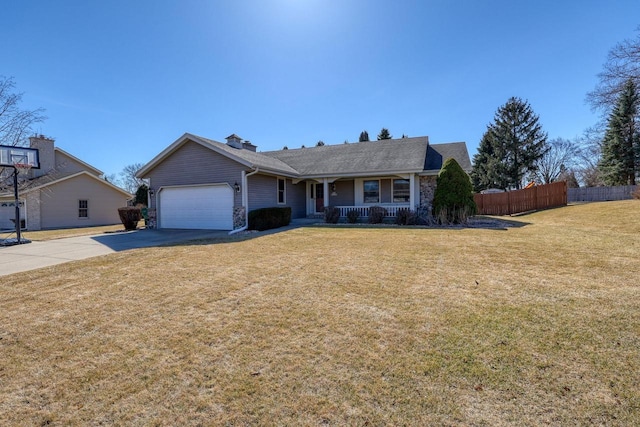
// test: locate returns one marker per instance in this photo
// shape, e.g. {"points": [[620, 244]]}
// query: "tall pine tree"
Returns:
{"points": [[510, 147], [621, 144], [384, 134], [487, 170], [364, 136]]}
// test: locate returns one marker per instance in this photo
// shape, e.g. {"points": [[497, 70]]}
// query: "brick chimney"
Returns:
{"points": [[45, 146]]}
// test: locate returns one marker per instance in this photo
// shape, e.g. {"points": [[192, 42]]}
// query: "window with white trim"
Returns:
{"points": [[401, 191], [83, 209], [371, 191], [282, 191]]}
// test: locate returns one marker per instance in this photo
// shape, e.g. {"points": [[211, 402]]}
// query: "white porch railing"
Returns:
{"points": [[363, 211]]}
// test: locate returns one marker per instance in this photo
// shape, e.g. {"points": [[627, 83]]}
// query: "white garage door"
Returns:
{"points": [[207, 207], [8, 214]]}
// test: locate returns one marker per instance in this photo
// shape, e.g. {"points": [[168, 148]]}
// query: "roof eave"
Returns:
{"points": [[57, 181], [360, 174], [179, 143]]}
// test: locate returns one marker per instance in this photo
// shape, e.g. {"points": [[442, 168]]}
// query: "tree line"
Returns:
{"points": [[515, 149]]}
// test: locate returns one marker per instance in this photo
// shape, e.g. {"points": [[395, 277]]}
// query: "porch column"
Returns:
{"points": [[412, 191], [325, 186]]}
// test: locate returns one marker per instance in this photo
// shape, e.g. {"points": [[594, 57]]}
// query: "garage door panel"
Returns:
{"points": [[198, 207]]}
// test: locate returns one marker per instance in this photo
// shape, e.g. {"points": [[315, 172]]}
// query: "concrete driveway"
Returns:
{"points": [[18, 258]]}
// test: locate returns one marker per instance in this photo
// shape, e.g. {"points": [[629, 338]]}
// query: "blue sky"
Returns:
{"points": [[121, 80]]}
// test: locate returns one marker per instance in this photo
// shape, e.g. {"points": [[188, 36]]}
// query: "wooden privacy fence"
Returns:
{"points": [[529, 199], [601, 194]]}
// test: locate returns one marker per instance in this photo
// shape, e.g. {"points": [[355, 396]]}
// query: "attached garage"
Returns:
{"points": [[8, 214], [198, 207]]}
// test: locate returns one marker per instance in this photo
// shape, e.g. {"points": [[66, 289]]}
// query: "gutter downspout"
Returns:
{"points": [[245, 200]]}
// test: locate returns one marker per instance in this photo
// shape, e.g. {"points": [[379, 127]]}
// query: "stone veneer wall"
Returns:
{"points": [[427, 190], [151, 222], [238, 217]]}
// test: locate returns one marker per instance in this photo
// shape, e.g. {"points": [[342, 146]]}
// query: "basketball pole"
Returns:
{"points": [[15, 193]]}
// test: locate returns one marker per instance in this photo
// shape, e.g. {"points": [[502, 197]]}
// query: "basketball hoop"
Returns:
{"points": [[21, 159], [22, 168], [22, 171]]}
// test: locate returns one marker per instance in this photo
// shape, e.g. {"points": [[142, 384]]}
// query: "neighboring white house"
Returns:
{"points": [[64, 193]]}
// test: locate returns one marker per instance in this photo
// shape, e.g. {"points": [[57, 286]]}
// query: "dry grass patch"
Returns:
{"points": [[319, 326]]}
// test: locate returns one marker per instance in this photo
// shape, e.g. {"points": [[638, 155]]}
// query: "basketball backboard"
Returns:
{"points": [[11, 156]]}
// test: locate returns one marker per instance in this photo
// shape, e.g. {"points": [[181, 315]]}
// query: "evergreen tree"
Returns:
{"points": [[453, 198], [142, 195], [510, 148], [487, 169], [384, 134], [320, 143], [364, 136], [621, 144]]}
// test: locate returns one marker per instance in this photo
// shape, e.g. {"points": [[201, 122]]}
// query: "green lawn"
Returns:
{"points": [[536, 324]]}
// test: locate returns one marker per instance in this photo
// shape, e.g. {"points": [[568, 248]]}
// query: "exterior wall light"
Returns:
{"points": [[236, 187]]}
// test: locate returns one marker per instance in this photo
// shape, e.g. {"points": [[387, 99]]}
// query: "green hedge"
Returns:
{"points": [[268, 218]]}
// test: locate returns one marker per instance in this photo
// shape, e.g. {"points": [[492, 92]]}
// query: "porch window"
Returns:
{"points": [[371, 191], [282, 189], [400, 190], [83, 209]]}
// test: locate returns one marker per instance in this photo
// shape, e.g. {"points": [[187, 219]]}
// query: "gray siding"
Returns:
{"points": [[296, 198], [263, 193], [67, 165], [59, 203], [193, 164], [385, 191], [345, 195]]}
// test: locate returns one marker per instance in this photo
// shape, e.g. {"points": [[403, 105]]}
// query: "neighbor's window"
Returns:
{"points": [[282, 189], [400, 190], [83, 209], [371, 191]]}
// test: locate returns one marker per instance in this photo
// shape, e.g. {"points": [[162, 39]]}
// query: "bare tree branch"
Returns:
{"points": [[623, 64], [128, 179], [561, 156], [15, 123]]}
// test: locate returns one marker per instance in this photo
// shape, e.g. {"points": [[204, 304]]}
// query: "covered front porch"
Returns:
{"points": [[393, 192]]}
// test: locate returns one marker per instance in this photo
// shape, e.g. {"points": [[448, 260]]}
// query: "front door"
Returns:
{"points": [[319, 193]]}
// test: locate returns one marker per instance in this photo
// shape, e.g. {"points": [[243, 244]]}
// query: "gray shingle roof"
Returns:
{"points": [[406, 155], [438, 153], [362, 158], [255, 159]]}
